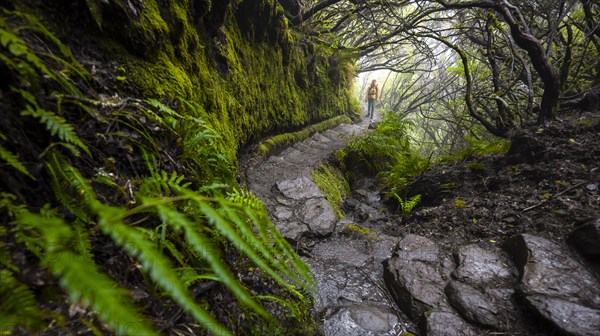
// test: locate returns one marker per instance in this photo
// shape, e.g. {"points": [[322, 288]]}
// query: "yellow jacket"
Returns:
{"points": [[372, 92]]}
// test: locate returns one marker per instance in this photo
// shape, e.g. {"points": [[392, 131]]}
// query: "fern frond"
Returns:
{"points": [[154, 263], [81, 278], [13, 161], [206, 249], [281, 244], [62, 175], [57, 125], [79, 275], [17, 304], [163, 108], [224, 227]]}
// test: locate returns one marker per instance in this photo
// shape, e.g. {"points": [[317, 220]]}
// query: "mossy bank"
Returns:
{"points": [[122, 121]]}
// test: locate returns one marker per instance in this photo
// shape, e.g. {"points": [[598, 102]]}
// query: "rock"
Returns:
{"points": [[570, 318], [292, 230], [418, 248], [474, 306], [341, 283], [299, 188], [352, 252], [447, 324], [318, 214], [413, 277], [351, 203], [367, 212], [548, 269], [284, 201], [586, 239], [479, 266], [372, 320], [282, 213]]}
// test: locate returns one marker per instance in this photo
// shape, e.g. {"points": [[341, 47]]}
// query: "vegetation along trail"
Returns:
{"points": [[205, 167]]}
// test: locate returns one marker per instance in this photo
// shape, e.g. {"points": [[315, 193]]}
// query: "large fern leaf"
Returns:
{"points": [[205, 248], [17, 305], [155, 263], [79, 275]]}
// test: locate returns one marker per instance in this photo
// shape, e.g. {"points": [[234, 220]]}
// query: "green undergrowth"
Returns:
{"points": [[478, 147], [388, 154], [277, 142], [333, 184], [119, 193]]}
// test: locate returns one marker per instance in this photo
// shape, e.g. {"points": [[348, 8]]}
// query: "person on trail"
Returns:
{"points": [[371, 97]]}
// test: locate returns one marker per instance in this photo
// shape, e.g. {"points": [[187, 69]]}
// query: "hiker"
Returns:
{"points": [[372, 96]]}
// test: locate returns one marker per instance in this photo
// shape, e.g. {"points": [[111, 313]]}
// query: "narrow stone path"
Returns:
{"points": [[371, 284], [350, 298]]}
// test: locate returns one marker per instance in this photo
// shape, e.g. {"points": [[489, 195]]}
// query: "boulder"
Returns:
{"points": [[413, 276], [318, 214], [586, 239], [475, 306], [479, 266], [568, 317], [548, 269], [440, 323]]}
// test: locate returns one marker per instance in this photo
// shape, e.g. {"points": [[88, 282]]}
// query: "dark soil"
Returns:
{"points": [[547, 184]]}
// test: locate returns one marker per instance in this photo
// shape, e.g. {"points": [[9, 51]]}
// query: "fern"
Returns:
{"points": [[83, 281], [17, 304], [55, 124], [77, 272], [154, 263], [407, 205], [67, 182], [19, 48], [13, 160], [206, 250]]}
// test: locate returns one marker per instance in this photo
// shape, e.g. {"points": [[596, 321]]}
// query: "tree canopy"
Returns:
{"points": [[498, 63]]}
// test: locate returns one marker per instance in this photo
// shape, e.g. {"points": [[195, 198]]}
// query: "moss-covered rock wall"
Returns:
{"points": [[121, 121], [250, 72]]}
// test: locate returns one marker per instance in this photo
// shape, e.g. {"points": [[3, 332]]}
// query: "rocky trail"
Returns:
{"points": [[445, 271]]}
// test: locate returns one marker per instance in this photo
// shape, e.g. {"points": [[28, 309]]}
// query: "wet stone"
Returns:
{"points": [[339, 283], [318, 214], [441, 323], [351, 252], [418, 248], [569, 317], [282, 213], [548, 269], [292, 230], [479, 266], [474, 306], [362, 321], [413, 276], [586, 239], [299, 188]]}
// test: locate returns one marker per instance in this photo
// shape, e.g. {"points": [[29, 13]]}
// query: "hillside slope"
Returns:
{"points": [[121, 125]]}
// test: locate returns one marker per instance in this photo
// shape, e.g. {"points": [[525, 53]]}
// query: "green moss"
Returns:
{"points": [[332, 183], [159, 78], [359, 230], [272, 144]]}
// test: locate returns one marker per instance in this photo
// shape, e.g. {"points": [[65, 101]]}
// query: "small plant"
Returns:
{"points": [[362, 231], [459, 203], [407, 204], [476, 166], [332, 183]]}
